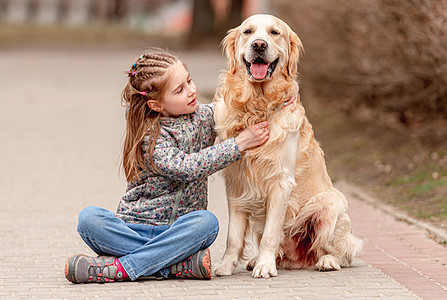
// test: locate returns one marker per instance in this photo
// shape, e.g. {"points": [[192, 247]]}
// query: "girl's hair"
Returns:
{"points": [[148, 78]]}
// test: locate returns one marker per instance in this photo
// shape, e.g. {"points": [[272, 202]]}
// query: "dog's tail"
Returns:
{"points": [[303, 232], [319, 227]]}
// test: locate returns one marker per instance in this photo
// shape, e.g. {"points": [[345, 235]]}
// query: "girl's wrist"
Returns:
{"points": [[240, 143]]}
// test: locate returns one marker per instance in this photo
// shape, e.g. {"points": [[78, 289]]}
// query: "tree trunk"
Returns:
{"points": [[202, 29]]}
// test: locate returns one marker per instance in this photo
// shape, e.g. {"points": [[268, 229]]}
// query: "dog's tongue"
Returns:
{"points": [[259, 71]]}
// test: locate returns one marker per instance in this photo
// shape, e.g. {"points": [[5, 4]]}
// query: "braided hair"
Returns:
{"points": [[148, 79]]}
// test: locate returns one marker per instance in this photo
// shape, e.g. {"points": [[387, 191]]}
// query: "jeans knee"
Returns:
{"points": [[201, 222], [206, 227], [205, 220], [90, 218], [208, 220]]}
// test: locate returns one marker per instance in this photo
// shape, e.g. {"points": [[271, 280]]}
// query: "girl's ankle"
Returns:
{"points": [[120, 272]]}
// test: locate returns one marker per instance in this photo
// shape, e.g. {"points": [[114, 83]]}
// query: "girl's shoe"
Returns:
{"points": [[82, 268], [196, 266]]}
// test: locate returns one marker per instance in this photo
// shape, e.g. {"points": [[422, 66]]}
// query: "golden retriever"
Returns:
{"points": [[279, 194]]}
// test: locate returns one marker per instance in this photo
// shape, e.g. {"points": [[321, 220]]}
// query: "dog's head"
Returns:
{"points": [[261, 46]]}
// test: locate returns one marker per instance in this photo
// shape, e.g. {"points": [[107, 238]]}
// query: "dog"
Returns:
{"points": [[279, 194]]}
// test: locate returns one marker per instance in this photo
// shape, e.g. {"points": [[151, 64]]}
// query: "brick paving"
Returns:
{"points": [[401, 250], [62, 127]]}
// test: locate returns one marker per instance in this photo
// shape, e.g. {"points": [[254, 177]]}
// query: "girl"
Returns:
{"points": [[161, 227]]}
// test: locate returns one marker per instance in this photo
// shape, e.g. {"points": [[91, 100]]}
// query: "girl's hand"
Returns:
{"points": [[293, 100], [253, 136]]}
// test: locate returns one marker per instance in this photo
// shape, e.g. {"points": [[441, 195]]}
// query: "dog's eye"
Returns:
{"points": [[248, 31], [274, 32]]}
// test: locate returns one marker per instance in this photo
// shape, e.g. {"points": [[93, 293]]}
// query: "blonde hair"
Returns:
{"points": [[148, 79]]}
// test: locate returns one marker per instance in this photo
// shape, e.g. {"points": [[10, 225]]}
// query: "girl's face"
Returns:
{"points": [[181, 93]]}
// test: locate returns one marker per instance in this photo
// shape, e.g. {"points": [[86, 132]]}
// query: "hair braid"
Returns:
{"points": [[147, 81]]}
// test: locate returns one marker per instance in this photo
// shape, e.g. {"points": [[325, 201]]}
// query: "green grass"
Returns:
{"points": [[427, 186], [418, 194]]}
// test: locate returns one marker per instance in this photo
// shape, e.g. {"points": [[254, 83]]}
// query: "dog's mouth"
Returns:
{"points": [[259, 69]]}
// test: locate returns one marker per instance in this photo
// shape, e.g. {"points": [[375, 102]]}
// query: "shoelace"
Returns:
{"points": [[98, 272], [186, 268]]}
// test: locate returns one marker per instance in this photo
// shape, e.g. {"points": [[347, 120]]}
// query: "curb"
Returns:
{"points": [[438, 234]]}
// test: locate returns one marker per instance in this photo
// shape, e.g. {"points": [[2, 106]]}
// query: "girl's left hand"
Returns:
{"points": [[293, 100]]}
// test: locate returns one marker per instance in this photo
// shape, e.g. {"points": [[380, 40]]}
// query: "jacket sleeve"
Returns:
{"points": [[181, 166]]}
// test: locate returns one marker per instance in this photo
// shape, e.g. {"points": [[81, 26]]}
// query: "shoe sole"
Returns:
{"points": [[206, 265], [70, 266]]}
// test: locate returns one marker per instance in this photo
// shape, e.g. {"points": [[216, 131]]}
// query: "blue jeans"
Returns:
{"points": [[146, 250]]}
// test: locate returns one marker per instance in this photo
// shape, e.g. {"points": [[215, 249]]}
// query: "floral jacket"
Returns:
{"points": [[185, 156]]}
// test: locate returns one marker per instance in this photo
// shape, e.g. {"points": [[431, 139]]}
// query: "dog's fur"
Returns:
{"points": [[279, 194]]}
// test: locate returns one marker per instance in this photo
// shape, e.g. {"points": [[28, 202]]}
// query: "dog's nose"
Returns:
{"points": [[259, 45]]}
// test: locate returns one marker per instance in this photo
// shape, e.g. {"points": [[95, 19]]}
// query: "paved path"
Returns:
{"points": [[61, 131]]}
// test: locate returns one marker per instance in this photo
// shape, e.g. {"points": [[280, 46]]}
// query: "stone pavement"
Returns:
{"points": [[61, 132]]}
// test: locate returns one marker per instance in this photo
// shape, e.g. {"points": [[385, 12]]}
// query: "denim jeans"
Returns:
{"points": [[146, 250]]}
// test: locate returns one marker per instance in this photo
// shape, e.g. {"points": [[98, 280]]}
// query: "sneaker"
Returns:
{"points": [[196, 266], [82, 268]]}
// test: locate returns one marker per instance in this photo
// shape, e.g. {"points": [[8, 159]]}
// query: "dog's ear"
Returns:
{"points": [[296, 50], [228, 46]]}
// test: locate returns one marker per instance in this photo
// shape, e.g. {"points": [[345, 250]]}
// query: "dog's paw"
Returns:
{"points": [[265, 270], [327, 263], [224, 270], [251, 263]]}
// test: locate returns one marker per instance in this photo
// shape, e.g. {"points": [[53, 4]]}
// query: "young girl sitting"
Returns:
{"points": [[161, 227]]}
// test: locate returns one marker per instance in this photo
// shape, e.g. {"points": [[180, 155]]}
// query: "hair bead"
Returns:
{"points": [[148, 74]]}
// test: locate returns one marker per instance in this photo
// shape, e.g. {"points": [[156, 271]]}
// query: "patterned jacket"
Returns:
{"points": [[185, 156]]}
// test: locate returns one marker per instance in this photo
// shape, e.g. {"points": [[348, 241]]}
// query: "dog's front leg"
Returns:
{"points": [[276, 207], [237, 226], [273, 231], [256, 240]]}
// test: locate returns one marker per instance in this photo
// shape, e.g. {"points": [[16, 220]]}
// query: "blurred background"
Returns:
{"points": [[389, 55], [373, 78]]}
